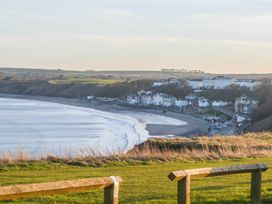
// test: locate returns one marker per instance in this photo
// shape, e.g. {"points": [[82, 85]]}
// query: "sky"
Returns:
{"points": [[216, 36]]}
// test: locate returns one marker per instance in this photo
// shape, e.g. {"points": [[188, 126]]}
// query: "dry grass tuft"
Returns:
{"points": [[251, 145], [199, 148]]}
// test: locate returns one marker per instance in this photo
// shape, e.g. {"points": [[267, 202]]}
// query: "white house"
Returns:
{"points": [[157, 99], [219, 82], [181, 103], [248, 83], [240, 119], [168, 100], [245, 105], [174, 81], [195, 84], [166, 82], [160, 83], [146, 99], [90, 98], [219, 103], [203, 102], [192, 99], [133, 99]]}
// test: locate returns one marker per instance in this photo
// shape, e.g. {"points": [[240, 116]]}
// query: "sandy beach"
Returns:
{"points": [[192, 126]]}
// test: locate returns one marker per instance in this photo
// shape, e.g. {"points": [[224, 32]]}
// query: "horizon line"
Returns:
{"points": [[133, 70]]}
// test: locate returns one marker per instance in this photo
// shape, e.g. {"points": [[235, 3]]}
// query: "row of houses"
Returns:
{"points": [[161, 99], [166, 82], [221, 82]]}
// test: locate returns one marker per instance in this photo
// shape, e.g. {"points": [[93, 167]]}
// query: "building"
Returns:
{"points": [[168, 100], [166, 82], [203, 102], [181, 103], [192, 100], [219, 103], [219, 82], [174, 81], [146, 98], [159, 83], [89, 98], [245, 105], [195, 84], [157, 99], [133, 99], [252, 85]]}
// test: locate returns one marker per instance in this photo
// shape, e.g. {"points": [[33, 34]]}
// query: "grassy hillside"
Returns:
{"points": [[144, 183], [145, 170], [201, 148], [120, 74], [85, 80]]}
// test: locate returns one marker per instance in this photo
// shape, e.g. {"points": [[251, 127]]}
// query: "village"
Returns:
{"points": [[225, 117]]}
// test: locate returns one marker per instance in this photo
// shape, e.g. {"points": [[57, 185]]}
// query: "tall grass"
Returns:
{"points": [[250, 145]]}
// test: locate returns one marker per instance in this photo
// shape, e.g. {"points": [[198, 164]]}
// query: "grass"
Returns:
{"points": [[203, 148], [145, 170], [143, 183], [85, 80], [251, 145]]}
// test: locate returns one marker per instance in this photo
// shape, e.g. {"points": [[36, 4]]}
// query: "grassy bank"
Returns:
{"points": [[251, 145], [145, 170], [143, 183]]}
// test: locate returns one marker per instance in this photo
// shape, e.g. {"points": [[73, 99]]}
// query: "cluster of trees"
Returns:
{"points": [[264, 95], [122, 89], [263, 111], [228, 94], [73, 90], [179, 91]]}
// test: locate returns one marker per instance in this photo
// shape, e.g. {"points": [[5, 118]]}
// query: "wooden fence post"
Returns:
{"points": [[184, 176], [111, 193], [184, 190], [256, 182]]}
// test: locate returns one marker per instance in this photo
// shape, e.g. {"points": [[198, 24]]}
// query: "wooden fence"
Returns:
{"points": [[109, 184], [184, 177]]}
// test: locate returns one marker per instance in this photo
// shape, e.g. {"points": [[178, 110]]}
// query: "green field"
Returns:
{"points": [[144, 183], [85, 80]]}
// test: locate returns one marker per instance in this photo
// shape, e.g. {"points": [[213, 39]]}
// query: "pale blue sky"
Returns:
{"points": [[214, 35]]}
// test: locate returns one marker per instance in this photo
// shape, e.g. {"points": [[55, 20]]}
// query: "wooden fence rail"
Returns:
{"points": [[109, 184], [184, 177]]}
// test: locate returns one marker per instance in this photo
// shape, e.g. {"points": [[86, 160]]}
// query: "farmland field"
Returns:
{"points": [[85, 80]]}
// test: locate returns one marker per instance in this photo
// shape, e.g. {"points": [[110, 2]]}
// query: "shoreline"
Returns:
{"points": [[193, 127]]}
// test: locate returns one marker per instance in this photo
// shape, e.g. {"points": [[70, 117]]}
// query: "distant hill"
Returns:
{"points": [[126, 74]]}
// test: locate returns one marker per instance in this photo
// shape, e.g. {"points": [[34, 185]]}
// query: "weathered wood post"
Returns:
{"points": [[184, 190], [184, 176], [109, 184], [111, 193], [256, 182]]}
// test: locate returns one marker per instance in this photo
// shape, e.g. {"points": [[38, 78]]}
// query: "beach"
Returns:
{"points": [[65, 126], [192, 126]]}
